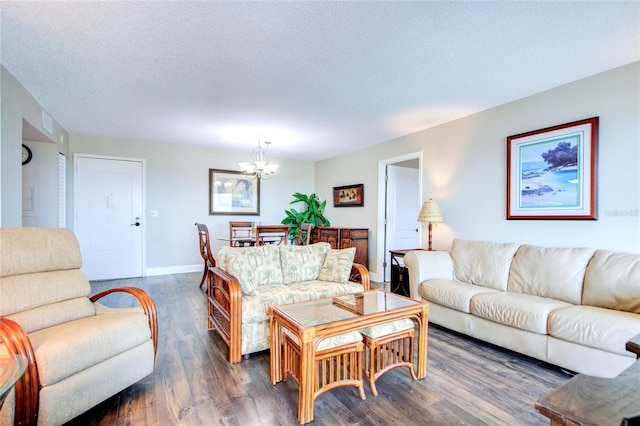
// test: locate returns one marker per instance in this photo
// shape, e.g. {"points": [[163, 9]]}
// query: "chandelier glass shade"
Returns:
{"points": [[260, 168]]}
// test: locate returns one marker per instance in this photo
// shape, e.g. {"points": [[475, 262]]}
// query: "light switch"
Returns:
{"points": [[154, 213]]}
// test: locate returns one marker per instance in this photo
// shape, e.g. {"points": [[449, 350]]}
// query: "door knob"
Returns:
{"points": [[137, 222]]}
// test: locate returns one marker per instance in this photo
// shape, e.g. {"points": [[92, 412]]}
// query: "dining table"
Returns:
{"points": [[250, 240]]}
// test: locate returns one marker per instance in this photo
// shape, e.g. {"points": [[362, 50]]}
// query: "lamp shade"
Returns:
{"points": [[430, 213]]}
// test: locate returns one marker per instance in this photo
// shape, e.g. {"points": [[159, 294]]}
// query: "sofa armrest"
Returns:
{"points": [[16, 342], [148, 306], [425, 265], [224, 306], [360, 274]]}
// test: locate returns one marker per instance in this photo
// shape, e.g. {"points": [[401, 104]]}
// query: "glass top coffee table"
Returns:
{"points": [[11, 370], [315, 320]]}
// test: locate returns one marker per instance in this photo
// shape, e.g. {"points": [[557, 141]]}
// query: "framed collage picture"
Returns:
{"points": [[348, 196]]}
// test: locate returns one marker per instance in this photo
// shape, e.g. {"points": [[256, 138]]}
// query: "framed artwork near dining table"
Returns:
{"points": [[233, 193]]}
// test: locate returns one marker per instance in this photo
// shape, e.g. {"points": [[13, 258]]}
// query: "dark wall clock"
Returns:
{"points": [[26, 154]]}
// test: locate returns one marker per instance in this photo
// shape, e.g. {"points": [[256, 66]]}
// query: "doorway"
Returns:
{"points": [[108, 216], [400, 186]]}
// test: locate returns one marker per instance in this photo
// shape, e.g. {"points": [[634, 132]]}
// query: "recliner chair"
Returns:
{"points": [[80, 352]]}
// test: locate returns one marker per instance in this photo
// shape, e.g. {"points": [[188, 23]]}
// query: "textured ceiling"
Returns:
{"points": [[318, 79]]}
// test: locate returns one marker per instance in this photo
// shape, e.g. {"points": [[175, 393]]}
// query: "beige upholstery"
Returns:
{"points": [[572, 307], [81, 353], [557, 273], [612, 280], [483, 263], [452, 294], [517, 310]]}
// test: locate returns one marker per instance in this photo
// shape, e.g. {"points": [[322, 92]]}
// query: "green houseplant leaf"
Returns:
{"points": [[313, 213]]}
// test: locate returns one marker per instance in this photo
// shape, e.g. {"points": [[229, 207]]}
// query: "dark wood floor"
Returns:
{"points": [[468, 382]]}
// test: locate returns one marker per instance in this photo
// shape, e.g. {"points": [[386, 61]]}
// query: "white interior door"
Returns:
{"points": [[108, 202], [403, 207]]}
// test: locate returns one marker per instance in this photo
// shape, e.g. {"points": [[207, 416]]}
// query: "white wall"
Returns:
{"points": [[18, 104], [41, 173], [177, 185], [465, 169]]}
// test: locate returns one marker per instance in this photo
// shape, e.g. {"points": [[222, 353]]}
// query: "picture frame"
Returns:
{"points": [[551, 172], [348, 196], [232, 193]]}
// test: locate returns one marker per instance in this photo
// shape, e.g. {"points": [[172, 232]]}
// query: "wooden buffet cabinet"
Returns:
{"points": [[340, 238]]}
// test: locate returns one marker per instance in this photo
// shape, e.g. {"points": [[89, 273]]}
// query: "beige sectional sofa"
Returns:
{"points": [[247, 280], [572, 307]]}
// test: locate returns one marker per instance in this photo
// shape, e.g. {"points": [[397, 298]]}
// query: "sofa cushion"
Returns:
{"points": [[68, 348], [380, 330], [329, 342], [612, 280], [598, 328], [253, 266], [255, 308], [483, 263], [557, 273], [452, 294], [302, 263], [517, 310], [337, 265]]}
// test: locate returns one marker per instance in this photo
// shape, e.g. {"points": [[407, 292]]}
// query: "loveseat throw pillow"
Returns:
{"points": [[337, 265]]}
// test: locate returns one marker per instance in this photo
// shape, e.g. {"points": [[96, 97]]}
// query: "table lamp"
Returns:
{"points": [[430, 213]]}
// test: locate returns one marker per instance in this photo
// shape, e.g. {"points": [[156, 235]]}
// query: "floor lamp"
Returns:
{"points": [[430, 213]]}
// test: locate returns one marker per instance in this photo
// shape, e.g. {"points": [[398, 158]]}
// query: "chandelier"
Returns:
{"points": [[260, 169]]}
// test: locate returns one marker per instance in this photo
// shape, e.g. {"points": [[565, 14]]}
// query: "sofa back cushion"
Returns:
{"points": [[612, 281], [252, 266], [302, 263], [557, 273], [483, 263], [41, 284]]}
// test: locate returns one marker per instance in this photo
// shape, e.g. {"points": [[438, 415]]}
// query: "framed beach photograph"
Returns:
{"points": [[348, 196], [232, 193], [551, 173]]}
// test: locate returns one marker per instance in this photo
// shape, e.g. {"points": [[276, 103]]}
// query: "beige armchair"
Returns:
{"points": [[80, 352]]}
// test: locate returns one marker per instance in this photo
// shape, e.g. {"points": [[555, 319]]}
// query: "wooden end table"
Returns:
{"points": [[595, 401]]}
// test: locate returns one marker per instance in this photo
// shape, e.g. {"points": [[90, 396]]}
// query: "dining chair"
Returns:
{"points": [[272, 234], [304, 234], [240, 233], [205, 250]]}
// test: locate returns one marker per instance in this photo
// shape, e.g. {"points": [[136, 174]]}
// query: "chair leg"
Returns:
{"points": [[204, 275]]}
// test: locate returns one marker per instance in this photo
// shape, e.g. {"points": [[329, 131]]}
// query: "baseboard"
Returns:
{"points": [[168, 270], [374, 276]]}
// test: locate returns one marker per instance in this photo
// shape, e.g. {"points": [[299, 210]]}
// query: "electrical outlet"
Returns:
{"points": [[154, 213]]}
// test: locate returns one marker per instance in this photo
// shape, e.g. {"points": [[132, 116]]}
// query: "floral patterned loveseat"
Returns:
{"points": [[247, 280]]}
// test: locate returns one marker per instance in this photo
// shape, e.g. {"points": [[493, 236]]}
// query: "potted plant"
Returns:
{"points": [[313, 213]]}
